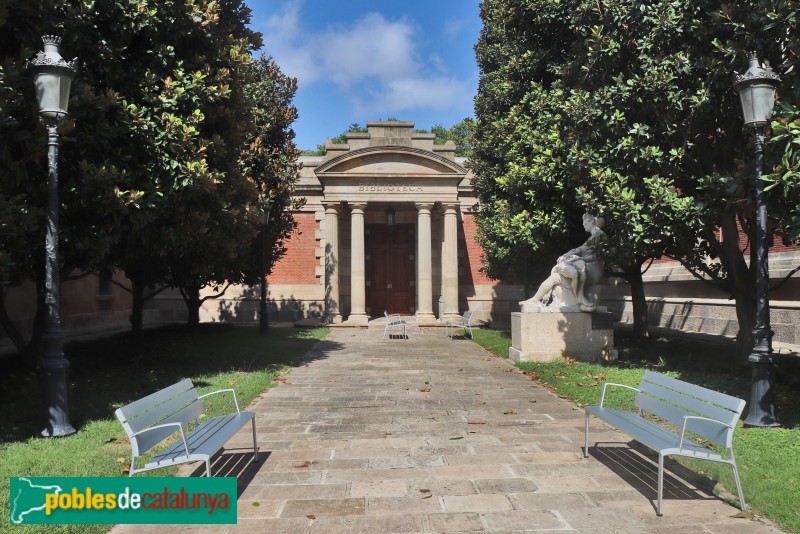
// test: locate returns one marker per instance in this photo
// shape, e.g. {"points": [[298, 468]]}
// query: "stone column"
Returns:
{"points": [[358, 307], [424, 265], [333, 307], [450, 263]]}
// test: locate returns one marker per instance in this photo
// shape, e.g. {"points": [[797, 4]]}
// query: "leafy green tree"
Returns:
{"points": [[625, 108], [460, 133], [156, 165]]}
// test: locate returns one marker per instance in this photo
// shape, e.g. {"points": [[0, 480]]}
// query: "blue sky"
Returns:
{"points": [[359, 60]]}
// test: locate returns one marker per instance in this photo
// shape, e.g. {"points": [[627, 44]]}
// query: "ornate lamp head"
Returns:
{"points": [[53, 79], [756, 88]]}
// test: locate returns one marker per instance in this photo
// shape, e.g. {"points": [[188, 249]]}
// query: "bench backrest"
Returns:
{"points": [[176, 403], [671, 399]]}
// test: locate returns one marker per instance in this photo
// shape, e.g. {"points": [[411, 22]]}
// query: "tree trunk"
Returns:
{"points": [[137, 309], [742, 286], [641, 322], [191, 297], [746, 316]]}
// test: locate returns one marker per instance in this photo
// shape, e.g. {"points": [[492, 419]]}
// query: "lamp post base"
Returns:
{"points": [[57, 422], [761, 411]]}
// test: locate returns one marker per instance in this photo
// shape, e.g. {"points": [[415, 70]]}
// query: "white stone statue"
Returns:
{"points": [[576, 280]]}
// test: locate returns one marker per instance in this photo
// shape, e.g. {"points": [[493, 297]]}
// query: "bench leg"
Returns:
{"points": [[255, 447], [586, 438], [208, 467], [660, 482], [738, 482]]}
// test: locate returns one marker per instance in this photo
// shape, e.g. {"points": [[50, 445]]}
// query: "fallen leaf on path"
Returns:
{"points": [[256, 504], [428, 496], [303, 465], [509, 412], [426, 390], [457, 437], [471, 423], [744, 515], [424, 490], [311, 516]]}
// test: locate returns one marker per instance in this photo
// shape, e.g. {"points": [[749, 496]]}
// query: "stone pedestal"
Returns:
{"points": [[546, 334]]}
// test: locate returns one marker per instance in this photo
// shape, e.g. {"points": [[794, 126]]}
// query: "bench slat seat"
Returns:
{"points": [[693, 409], [171, 411], [204, 440], [651, 434]]}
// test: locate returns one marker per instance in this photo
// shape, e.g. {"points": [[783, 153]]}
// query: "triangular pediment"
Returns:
{"points": [[391, 160]]}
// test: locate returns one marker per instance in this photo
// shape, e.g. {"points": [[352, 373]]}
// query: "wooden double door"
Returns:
{"points": [[390, 272]]}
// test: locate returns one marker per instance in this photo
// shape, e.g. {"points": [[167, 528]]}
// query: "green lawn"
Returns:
{"points": [[110, 373], [768, 459]]}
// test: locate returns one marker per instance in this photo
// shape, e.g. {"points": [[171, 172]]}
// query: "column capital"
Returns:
{"points": [[450, 207], [424, 206], [333, 206], [357, 206]]}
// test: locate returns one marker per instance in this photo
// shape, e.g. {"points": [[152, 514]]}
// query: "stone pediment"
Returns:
{"points": [[392, 160]]}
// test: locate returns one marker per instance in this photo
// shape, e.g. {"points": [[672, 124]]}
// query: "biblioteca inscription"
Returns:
{"points": [[390, 187]]}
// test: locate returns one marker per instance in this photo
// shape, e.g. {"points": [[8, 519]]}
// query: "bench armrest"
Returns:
{"points": [[235, 400], [686, 419], [606, 384], [165, 425]]}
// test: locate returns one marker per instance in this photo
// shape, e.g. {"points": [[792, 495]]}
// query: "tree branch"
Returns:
{"points": [[217, 295]]}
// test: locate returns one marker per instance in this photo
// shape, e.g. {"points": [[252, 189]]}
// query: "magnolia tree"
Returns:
{"points": [[626, 109], [158, 173]]}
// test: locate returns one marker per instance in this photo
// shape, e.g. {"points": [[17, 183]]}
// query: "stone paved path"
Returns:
{"points": [[433, 435]]}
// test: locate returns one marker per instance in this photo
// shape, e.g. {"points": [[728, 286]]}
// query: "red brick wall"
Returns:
{"points": [[297, 266], [745, 243], [469, 257]]}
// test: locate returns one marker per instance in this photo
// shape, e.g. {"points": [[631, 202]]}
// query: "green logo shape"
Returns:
{"points": [[108, 500]]}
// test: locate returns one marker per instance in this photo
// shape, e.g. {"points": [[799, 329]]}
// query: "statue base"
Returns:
{"points": [[546, 334]]}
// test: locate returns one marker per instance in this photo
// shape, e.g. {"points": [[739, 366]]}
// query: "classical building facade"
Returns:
{"points": [[388, 225]]}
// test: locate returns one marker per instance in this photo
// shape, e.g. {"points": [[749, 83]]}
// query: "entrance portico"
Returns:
{"points": [[401, 204]]}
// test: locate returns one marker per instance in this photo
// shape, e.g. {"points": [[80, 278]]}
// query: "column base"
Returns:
{"points": [[450, 317], [357, 320]]}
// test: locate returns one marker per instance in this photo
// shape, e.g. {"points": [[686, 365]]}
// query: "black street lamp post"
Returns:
{"points": [[756, 89], [53, 79], [263, 318]]}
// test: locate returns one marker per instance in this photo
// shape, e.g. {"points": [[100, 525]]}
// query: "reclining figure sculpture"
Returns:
{"points": [[576, 279]]}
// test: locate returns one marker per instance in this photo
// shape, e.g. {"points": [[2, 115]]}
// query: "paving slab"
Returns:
{"points": [[429, 434]]}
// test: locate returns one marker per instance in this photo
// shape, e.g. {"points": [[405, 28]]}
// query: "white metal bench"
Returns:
{"points": [[692, 409], [394, 321], [154, 418], [464, 322]]}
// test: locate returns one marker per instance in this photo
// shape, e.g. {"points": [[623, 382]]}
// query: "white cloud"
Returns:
{"points": [[375, 60], [402, 94]]}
